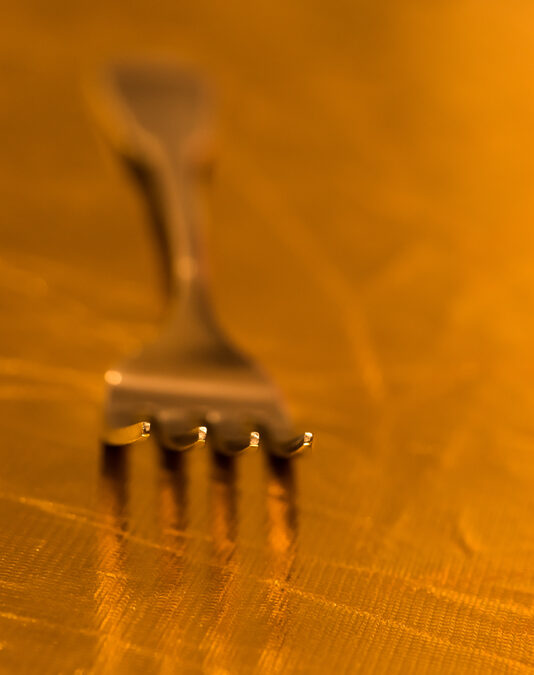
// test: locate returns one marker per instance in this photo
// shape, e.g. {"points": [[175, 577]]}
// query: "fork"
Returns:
{"points": [[191, 382]]}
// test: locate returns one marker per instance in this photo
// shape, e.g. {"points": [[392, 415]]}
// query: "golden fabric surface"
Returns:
{"points": [[372, 243]]}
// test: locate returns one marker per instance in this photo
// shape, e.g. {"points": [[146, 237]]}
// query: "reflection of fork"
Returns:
{"points": [[191, 379]]}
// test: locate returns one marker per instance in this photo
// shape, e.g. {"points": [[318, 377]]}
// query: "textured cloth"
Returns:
{"points": [[372, 243]]}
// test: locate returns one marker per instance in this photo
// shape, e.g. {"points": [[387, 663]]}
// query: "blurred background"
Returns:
{"points": [[371, 243]]}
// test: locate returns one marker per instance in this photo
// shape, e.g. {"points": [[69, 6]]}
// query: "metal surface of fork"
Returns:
{"points": [[191, 380]]}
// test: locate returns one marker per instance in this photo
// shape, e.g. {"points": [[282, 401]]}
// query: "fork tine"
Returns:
{"points": [[232, 438], [118, 436], [236, 445], [182, 440], [288, 447]]}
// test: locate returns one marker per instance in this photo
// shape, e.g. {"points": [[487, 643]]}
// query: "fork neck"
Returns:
{"points": [[181, 233]]}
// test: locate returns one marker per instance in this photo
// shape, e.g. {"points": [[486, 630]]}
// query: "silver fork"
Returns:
{"points": [[191, 382]]}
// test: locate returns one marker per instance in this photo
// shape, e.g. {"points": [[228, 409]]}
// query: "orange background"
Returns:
{"points": [[372, 243]]}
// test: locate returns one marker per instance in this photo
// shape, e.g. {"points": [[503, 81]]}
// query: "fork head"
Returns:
{"points": [[191, 392]]}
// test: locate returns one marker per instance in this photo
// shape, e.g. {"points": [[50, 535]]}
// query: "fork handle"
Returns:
{"points": [[165, 120]]}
